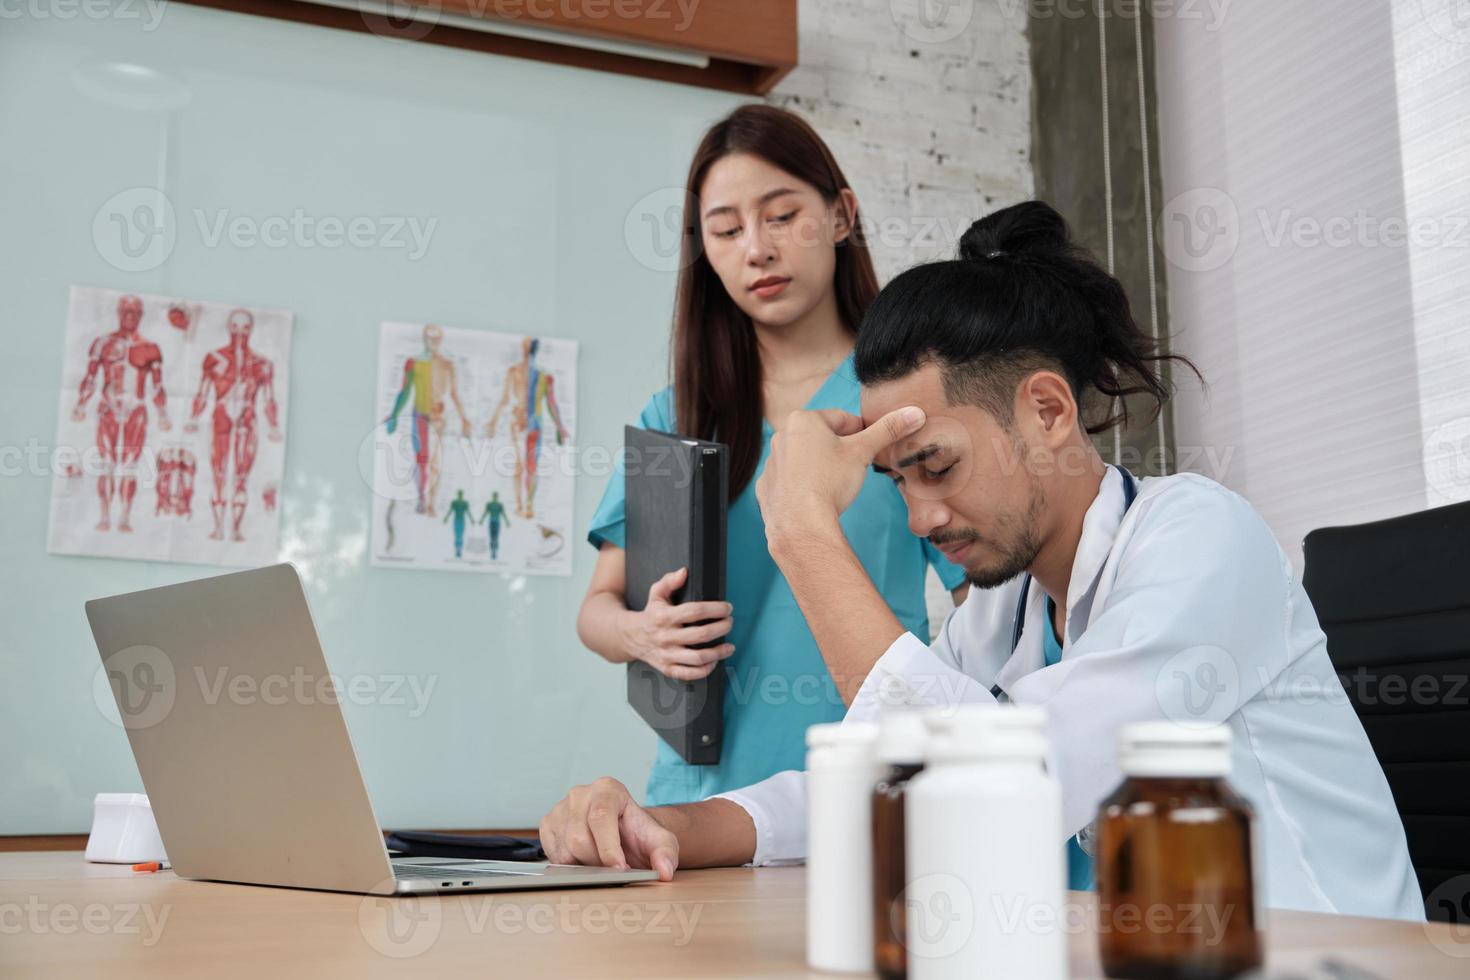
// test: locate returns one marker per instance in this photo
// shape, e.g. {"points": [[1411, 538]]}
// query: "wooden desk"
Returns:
{"points": [[62, 917]]}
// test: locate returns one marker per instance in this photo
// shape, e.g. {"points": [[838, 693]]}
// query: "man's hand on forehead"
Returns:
{"points": [[819, 460], [871, 438], [817, 467]]}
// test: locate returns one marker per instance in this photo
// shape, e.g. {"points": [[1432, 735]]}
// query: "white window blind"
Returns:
{"points": [[1316, 172]]}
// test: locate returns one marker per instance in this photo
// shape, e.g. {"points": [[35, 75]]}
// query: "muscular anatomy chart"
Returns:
{"points": [[128, 425], [233, 376], [472, 450]]}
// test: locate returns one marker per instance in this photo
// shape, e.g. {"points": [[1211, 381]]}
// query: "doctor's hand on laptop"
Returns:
{"points": [[601, 824]]}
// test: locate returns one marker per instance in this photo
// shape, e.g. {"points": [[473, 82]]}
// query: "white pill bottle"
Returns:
{"points": [[986, 854], [841, 772]]}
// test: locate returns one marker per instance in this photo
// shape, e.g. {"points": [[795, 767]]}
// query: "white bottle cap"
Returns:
{"points": [[1164, 749], [987, 732], [902, 736], [842, 747], [838, 733]]}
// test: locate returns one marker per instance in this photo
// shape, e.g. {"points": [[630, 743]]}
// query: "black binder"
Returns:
{"points": [[676, 491], [465, 847]]}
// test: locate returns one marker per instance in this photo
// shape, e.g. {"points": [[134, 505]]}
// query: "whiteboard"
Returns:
{"points": [[543, 185]]}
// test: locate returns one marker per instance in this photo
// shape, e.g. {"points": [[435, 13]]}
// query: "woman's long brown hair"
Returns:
{"points": [[716, 366]]}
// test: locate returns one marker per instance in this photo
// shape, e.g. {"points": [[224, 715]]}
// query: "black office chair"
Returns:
{"points": [[1393, 598]]}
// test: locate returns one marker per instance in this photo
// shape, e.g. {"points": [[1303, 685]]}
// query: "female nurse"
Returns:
{"points": [[773, 282]]}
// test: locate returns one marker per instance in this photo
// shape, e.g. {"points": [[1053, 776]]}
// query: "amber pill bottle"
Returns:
{"points": [[900, 751], [1176, 886]]}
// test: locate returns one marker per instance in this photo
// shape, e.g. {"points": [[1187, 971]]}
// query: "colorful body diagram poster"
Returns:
{"points": [[472, 450], [170, 443]]}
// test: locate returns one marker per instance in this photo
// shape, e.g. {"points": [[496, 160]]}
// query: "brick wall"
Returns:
{"points": [[926, 104], [927, 107]]}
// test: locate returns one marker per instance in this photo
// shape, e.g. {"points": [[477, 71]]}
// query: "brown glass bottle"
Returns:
{"points": [[1174, 869], [890, 954]]}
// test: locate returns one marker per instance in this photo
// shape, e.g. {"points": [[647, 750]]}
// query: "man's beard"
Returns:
{"points": [[1018, 541]]}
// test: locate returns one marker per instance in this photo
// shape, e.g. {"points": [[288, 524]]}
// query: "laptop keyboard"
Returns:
{"points": [[451, 872]]}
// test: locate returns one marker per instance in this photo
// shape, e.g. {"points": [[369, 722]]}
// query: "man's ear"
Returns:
{"points": [[1046, 398], [844, 214]]}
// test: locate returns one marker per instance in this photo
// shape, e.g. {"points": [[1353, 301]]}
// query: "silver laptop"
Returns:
{"points": [[235, 724]]}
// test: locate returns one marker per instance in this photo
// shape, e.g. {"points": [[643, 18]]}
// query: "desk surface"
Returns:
{"points": [[60, 916]]}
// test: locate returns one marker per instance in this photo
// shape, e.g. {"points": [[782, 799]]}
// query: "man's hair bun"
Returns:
{"points": [[1030, 228]]}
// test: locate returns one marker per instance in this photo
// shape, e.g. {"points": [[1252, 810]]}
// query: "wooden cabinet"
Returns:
{"points": [[733, 45]]}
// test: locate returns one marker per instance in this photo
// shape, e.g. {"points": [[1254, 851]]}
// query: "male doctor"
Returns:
{"points": [[1103, 598]]}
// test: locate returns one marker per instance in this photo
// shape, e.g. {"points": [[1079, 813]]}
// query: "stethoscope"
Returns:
{"points": [[1130, 494]]}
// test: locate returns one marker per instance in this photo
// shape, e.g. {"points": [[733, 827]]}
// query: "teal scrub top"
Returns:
{"points": [[1079, 864], [777, 684]]}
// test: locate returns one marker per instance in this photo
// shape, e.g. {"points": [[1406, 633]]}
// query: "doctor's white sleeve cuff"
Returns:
{"points": [[911, 673], [777, 807]]}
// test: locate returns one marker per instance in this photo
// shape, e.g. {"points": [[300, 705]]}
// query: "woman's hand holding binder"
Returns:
{"points": [[670, 637]]}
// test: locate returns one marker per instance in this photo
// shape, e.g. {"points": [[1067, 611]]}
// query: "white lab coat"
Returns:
{"points": [[1185, 608]]}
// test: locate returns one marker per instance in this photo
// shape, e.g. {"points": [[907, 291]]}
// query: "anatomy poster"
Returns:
{"points": [[472, 450], [170, 440]]}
